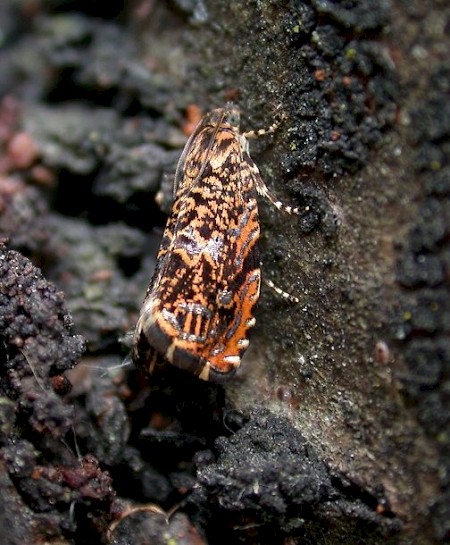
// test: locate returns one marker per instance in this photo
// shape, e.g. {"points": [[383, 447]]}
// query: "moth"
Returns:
{"points": [[199, 306]]}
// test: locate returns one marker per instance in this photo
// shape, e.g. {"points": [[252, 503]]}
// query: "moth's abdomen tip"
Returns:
{"points": [[212, 374]]}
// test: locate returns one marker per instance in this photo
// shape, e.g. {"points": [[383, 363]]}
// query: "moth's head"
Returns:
{"points": [[232, 115], [228, 117]]}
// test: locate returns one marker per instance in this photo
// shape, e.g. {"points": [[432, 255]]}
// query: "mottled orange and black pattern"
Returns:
{"points": [[199, 305]]}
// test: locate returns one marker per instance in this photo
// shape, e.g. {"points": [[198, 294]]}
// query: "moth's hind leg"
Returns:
{"points": [[284, 294]]}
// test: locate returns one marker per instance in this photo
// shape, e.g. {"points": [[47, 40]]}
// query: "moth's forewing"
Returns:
{"points": [[199, 305]]}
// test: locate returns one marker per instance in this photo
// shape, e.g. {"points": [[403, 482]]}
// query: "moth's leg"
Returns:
{"points": [[284, 294], [261, 187], [269, 130], [262, 190], [250, 135]]}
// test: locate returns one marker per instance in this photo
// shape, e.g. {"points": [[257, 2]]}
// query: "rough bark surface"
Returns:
{"points": [[338, 428]]}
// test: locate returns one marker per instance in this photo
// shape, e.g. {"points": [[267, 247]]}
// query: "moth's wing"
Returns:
{"points": [[199, 308], [144, 353], [235, 315], [215, 257]]}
